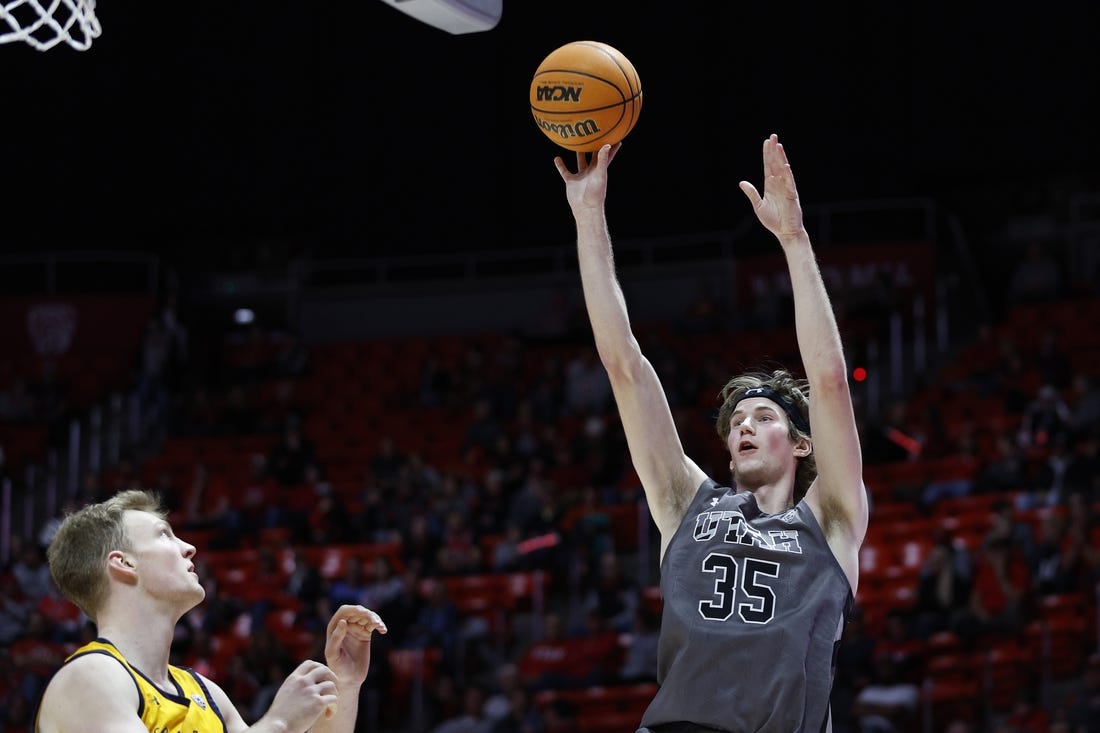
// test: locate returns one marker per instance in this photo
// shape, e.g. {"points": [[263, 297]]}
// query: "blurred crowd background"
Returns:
{"points": [[473, 486]]}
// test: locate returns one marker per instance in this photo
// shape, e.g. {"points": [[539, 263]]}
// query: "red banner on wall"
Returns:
{"points": [[70, 329]]}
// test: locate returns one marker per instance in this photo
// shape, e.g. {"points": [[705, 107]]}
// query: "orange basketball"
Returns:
{"points": [[586, 94]]}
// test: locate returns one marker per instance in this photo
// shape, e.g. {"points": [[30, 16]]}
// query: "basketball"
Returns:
{"points": [[586, 94]]}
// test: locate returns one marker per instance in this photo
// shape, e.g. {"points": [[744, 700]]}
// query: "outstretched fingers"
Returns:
{"points": [[358, 621]]}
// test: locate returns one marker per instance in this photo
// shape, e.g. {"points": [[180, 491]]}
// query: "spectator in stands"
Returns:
{"points": [[1005, 523], [895, 437], [37, 654], [268, 681], [405, 607], [900, 642], [199, 413], [385, 466], [482, 432], [1080, 553], [154, 355], [284, 406], [640, 647], [507, 555], [471, 383], [588, 526], [854, 668], [435, 382], [888, 703], [1046, 418], [442, 700], [490, 507], [522, 716], [459, 552], [612, 594], [49, 528], [376, 519], [305, 583], [1027, 715], [291, 456], [17, 716], [943, 588], [1082, 473], [63, 617], [559, 661], [256, 501], [498, 697], [547, 393], [1003, 472], [330, 521], [14, 608], [505, 460], [291, 356], [384, 587], [265, 647], [718, 543], [1084, 405], [420, 544], [351, 587], [1000, 593], [164, 359], [704, 313], [32, 573], [209, 504], [439, 624], [217, 612], [1051, 361], [597, 451], [472, 718], [532, 508], [587, 389], [1083, 707], [1009, 377], [198, 654], [525, 431], [134, 578]]}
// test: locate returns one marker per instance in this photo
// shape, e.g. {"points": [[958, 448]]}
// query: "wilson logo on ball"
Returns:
{"points": [[559, 94], [567, 130]]}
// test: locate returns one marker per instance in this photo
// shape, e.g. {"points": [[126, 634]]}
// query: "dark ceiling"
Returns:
{"points": [[204, 130]]}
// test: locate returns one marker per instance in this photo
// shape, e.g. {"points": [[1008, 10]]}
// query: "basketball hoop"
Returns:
{"points": [[46, 23]]}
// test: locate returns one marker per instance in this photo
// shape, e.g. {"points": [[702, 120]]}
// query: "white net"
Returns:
{"points": [[46, 23]]}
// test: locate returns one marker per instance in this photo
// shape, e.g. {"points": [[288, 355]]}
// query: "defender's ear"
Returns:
{"points": [[803, 448], [120, 566]]}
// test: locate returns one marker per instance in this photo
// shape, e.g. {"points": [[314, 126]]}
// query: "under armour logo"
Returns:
{"points": [[714, 502]]}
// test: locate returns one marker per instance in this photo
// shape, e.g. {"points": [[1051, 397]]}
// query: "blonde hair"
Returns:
{"points": [[796, 392], [78, 553]]}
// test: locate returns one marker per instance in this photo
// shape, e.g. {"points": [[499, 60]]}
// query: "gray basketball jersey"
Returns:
{"points": [[754, 605]]}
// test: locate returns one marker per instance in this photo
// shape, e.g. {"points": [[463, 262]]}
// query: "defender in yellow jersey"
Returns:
{"points": [[186, 707], [120, 562]]}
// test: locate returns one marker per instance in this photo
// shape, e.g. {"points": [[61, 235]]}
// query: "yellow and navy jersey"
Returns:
{"points": [[187, 708]]}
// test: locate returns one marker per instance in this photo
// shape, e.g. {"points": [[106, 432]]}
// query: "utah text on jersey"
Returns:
{"points": [[733, 528]]}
